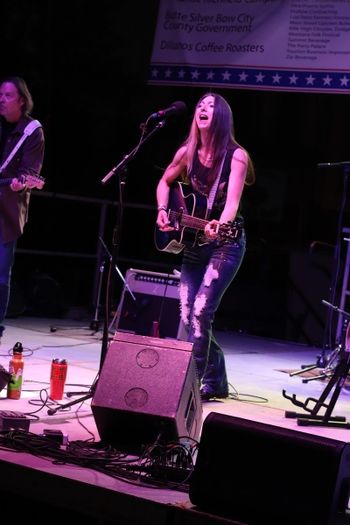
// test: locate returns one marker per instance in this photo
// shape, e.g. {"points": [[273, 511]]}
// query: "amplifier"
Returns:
{"points": [[154, 299]]}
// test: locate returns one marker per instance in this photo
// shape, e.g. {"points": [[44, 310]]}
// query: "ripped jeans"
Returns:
{"points": [[206, 273]]}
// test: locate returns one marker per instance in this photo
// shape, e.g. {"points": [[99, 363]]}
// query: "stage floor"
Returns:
{"points": [[258, 374]]}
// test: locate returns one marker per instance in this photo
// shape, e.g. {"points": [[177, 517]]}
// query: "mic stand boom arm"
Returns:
{"points": [[344, 164], [127, 158]]}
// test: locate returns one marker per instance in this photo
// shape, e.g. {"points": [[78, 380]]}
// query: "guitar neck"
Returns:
{"points": [[189, 221], [5, 182]]}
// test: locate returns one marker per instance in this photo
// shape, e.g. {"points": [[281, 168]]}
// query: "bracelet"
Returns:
{"points": [[162, 207]]}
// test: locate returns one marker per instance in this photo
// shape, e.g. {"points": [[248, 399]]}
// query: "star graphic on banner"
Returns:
{"points": [[327, 80], [344, 81], [226, 75], [210, 75], [154, 73], [168, 73], [195, 74], [243, 76], [293, 79], [276, 78], [181, 73], [259, 77], [310, 80]]}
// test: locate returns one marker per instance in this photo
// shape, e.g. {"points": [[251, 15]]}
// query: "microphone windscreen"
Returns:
{"points": [[179, 107]]}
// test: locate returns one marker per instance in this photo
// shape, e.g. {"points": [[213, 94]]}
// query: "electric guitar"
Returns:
{"points": [[31, 181], [186, 212]]}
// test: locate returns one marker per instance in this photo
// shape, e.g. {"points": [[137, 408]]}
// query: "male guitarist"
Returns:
{"points": [[19, 172], [216, 168]]}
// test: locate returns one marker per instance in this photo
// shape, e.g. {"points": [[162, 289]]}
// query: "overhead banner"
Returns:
{"points": [[284, 45]]}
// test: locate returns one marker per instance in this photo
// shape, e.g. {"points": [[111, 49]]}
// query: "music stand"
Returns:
{"points": [[120, 170]]}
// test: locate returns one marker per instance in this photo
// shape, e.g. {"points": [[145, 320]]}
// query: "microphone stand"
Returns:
{"points": [[323, 360], [120, 170], [94, 324], [327, 340]]}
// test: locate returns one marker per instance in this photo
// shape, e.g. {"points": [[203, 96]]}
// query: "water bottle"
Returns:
{"points": [[58, 377], [16, 365]]}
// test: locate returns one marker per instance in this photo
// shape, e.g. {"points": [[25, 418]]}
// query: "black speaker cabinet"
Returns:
{"points": [[147, 389], [156, 299], [258, 473]]}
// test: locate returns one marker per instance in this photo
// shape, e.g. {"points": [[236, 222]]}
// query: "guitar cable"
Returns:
{"points": [[162, 303]]}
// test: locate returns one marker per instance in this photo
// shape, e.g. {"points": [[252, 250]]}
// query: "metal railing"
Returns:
{"points": [[97, 254]]}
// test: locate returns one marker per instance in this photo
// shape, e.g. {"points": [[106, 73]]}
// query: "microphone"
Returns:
{"points": [[177, 108]]}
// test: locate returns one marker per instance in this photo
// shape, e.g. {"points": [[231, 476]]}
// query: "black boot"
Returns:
{"points": [[215, 384]]}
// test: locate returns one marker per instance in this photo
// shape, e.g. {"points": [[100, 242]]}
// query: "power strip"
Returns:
{"points": [[10, 420]]}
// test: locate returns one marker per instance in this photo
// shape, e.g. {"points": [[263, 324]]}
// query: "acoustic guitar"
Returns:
{"points": [[187, 210]]}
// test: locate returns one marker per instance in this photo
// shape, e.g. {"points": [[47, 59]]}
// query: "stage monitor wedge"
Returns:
{"points": [[257, 473], [147, 389]]}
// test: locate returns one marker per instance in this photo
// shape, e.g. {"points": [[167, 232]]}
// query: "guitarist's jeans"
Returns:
{"points": [[206, 273], [7, 251]]}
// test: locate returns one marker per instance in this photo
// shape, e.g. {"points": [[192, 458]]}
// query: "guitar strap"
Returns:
{"points": [[28, 130], [214, 188]]}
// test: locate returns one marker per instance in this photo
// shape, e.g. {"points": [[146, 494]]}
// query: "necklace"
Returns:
{"points": [[206, 158]]}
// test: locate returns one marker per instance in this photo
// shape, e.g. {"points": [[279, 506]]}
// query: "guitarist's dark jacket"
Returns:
{"points": [[28, 160]]}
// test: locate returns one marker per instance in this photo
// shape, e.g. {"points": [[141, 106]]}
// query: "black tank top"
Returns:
{"points": [[198, 178]]}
